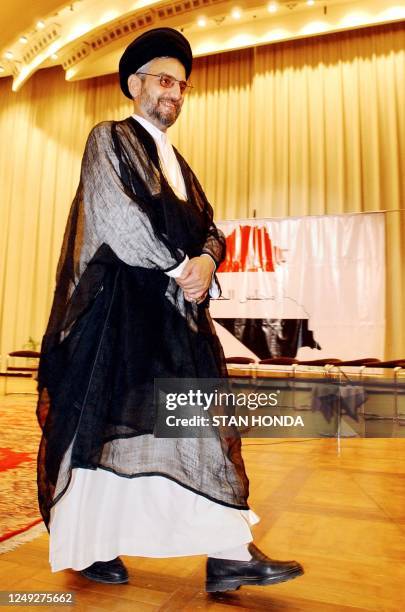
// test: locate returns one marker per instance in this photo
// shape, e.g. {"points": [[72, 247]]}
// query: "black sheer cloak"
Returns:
{"points": [[118, 321], [122, 200]]}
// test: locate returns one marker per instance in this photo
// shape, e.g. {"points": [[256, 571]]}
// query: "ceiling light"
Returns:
{"points": [[40, 25], [201, 22], [9, 55], [236, 13], [70, 73], [2, 69], [54, 56], [310, 2], [272, 7], [23, 40]]}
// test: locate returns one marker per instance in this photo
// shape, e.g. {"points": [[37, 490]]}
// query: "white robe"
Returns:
{"points": [[102, 516]]}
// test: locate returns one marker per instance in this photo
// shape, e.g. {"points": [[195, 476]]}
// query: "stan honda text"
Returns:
{"points": [[250, 420]]}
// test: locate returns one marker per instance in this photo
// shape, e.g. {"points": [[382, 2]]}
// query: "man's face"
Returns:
{"points": [[160, 105]]}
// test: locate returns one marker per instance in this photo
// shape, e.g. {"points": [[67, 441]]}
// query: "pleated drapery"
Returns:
{"points": [[314, 126]]}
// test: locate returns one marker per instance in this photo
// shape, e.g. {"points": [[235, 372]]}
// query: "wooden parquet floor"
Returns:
{"points": [[340, 511]]}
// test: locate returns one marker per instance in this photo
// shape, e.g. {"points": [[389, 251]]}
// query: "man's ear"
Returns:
{"points": [[134, 85]]}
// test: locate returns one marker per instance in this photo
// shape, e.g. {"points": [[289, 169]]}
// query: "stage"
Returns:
{"points": [[336, 506]]}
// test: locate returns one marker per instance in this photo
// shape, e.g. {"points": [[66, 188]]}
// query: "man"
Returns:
{"points": [[134, 278]]}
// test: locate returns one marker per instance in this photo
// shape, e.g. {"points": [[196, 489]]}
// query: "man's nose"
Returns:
{"points": [[176, 92]]}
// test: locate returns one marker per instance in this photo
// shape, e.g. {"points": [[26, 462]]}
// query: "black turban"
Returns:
{"points": [[160, 42]]}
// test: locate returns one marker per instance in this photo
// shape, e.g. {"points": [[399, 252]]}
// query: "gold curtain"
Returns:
{"points": [[306, 127]]}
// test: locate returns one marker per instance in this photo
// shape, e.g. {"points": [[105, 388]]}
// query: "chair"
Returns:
{"points": [[360, 362], [21, 371], [394, 363], [287, 361], [383, 403], [320, 362], [239, 360]]}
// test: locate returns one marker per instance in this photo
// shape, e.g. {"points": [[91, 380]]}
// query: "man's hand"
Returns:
{"points": [[196, 278]]}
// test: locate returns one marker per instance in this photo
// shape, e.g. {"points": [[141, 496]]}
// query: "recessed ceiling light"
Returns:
{"points": [[9, 55], [272, 7], [2, 69], [310, 2], [23, 40], [201, 22], [54, 56], [40, 25], [236, 13]]}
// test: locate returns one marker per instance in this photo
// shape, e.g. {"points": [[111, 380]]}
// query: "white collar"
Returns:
{"points": [[152, 129]]}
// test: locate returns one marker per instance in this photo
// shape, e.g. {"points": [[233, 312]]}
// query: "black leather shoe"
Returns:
{"points": [[228, 575], [109, 572]]}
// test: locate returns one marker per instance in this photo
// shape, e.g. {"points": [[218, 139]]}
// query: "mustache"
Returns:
{"points": [[176, 103]]}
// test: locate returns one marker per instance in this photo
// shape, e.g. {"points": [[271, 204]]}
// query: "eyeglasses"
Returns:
{"points": [[168, 82]]}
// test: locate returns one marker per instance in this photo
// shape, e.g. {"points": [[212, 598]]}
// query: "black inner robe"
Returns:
{"points": [[118, 322]]}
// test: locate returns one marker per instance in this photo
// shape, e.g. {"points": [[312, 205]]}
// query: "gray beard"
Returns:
{"points": [[152, 109]]}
